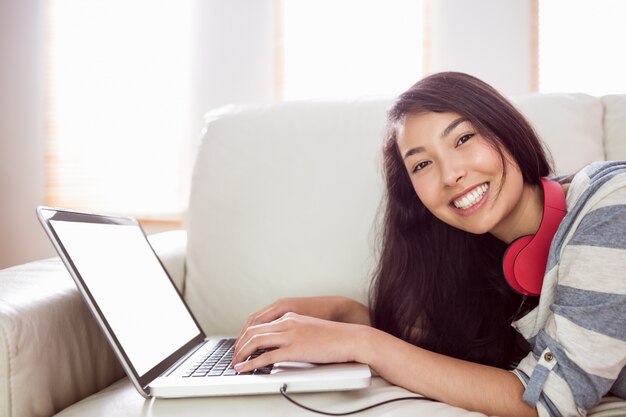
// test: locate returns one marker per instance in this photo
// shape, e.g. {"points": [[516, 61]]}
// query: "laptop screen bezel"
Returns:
{"points": [[48, 214]]}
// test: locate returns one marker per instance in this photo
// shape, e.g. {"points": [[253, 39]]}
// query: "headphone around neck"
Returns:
{"points": [[525, 259]]}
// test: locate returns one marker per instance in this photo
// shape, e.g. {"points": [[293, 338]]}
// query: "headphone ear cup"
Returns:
{"points": [[508, 262], [525, 260]]}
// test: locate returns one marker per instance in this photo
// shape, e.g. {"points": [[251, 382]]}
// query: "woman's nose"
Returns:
{"points": [[452, 173]]}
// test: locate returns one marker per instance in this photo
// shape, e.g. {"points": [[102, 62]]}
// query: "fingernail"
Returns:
{"points": [[238, 366]]}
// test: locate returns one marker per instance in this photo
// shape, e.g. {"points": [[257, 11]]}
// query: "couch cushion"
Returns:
{"points": [[283, 201], [615, 126], [569, 124], [122, 400], [283, 204]]}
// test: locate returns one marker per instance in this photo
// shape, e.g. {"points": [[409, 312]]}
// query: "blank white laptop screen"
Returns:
{"points": [[131, 289]]}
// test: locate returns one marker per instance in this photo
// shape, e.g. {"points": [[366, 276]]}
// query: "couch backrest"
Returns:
{"points": [[571, 125], [282, 203], [615, 126], [284, 197]]}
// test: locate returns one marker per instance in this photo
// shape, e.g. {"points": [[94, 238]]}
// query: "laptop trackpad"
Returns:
{"points": [[292, 366]]}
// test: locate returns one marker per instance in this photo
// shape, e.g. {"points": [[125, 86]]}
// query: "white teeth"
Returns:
{"points": [[471, 198]]}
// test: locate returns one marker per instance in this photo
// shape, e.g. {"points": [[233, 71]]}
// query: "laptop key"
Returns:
{"points": [[266, 370], [214, 373], [218, 362]]}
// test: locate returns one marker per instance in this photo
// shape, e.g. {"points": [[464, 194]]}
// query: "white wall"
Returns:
{"points": [[21, 131], [233, 57], [488, 38], [234, 54]]}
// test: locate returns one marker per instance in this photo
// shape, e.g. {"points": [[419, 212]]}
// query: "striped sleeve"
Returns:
{"points": [[580, 352]]}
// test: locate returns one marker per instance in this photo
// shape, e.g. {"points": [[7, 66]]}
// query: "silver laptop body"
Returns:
{"points": [[148, 324]]}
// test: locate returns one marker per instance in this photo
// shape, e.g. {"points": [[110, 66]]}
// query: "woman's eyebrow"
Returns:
{"points": [[413, 151], [453, 125], [445, 133]]}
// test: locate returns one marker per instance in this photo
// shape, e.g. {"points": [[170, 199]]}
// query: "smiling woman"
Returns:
{"points": [[493, 292], [468, 136]]}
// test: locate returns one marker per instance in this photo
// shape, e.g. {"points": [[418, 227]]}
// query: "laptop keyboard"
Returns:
{"points": [[217, 361]]}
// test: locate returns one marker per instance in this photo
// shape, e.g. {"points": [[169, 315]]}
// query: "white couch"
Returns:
{"points": [[284, 201]]}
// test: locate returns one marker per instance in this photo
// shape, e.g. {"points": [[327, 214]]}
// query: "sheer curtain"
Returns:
{"points": [[581, 46], [122, 120], [118, 106]]}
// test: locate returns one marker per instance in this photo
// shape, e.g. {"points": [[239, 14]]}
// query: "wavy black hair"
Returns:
{"points": [[436, 286]]}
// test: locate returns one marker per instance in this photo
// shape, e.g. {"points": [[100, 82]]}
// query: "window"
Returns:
{"points": [[580, 46], [118, 125], [121, 133], [350, 48]]}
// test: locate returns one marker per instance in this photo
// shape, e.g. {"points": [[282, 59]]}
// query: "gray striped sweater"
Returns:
{"points": [[578, 330]]}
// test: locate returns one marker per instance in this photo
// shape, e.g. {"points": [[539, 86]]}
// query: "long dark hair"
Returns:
{"points": [[436, 286]]}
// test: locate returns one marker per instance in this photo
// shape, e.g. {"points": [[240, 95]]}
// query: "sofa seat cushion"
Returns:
{"points": [[122, 400]]}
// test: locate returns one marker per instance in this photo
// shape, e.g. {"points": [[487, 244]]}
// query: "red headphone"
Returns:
{"points": [[526, 258]]}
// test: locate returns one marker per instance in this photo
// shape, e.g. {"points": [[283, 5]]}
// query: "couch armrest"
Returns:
{"points": [[171, 248], [52, 352]]}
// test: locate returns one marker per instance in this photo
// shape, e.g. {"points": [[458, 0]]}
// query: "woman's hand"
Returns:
{"points": [[294, 337], [327, 308]]}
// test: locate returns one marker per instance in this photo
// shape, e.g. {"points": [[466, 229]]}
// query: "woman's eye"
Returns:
{"points": [[420, 166], [464, 139]]}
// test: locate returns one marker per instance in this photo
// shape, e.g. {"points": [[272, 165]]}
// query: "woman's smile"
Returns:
{"points": [[470, 198]]}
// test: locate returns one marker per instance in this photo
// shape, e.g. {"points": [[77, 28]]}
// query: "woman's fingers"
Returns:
{"points": [[295, 338], [319, 307], [261, 336], [266, 315], [255, 319], [267, 358], [276, 334]]}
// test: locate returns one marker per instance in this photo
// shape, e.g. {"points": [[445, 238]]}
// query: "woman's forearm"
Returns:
{"points": [[475, 387], [352, 311]]}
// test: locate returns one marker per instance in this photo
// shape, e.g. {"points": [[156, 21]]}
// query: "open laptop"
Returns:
{"points": [[152, 331]]}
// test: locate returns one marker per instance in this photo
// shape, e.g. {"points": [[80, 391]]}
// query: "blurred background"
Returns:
{"points": [[102, 101]]}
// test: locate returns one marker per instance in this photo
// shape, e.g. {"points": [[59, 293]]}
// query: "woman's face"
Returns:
{"points": [[457, 173]]}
